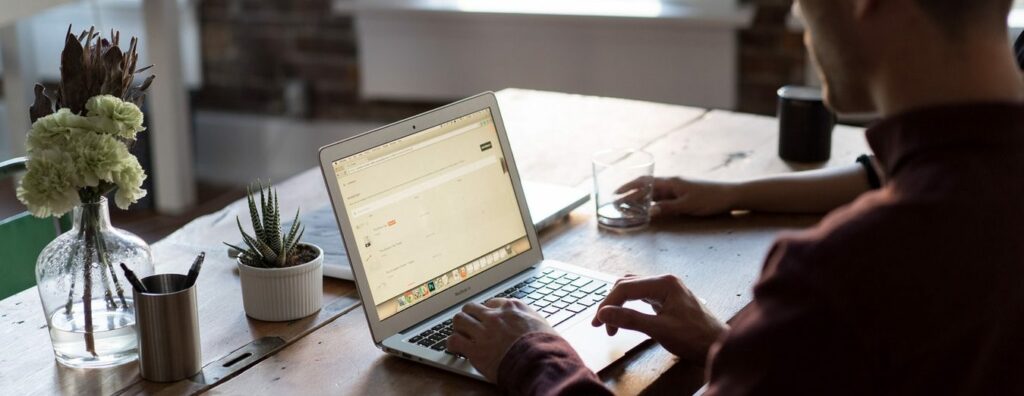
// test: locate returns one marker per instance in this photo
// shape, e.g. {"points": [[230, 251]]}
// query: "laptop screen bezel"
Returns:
{"points": [[384, 328]]}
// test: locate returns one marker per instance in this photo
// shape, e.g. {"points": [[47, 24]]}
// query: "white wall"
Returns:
{"points": [[439, 50]]}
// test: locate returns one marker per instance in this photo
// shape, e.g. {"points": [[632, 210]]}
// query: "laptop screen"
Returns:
{"points": [[431, 210]]}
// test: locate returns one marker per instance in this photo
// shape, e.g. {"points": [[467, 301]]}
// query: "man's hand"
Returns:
{"points": [[485, 333], [676, 197], [682, 325]]}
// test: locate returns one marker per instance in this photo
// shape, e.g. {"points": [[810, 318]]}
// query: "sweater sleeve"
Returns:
{"points": [[545, 364], [786, 341]]}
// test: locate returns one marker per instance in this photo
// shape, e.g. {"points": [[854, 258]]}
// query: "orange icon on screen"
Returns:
{"points": [[462, 272], [392, 222]]}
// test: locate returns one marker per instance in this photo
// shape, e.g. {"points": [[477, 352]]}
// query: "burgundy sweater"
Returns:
{"points": [[916, 288]]}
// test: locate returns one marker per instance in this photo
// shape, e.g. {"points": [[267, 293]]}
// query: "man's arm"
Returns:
{"points": [[513, 346], [545, 364], [816, 191], [789, 340]]}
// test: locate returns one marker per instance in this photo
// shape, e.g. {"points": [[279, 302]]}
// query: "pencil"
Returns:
{"points": [[134, 280], [193, 273]]}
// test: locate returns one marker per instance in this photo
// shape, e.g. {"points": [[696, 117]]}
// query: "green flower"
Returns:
{"points": [[129, 180], [114, 116], [56, 130], [48, 188], [69, 153], [96, 157]]}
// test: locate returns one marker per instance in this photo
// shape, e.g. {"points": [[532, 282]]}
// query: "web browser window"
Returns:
{"points": [[431, 210]]}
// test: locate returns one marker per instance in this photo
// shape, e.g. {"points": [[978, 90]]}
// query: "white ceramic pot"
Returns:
{"points": [[283, 294]]}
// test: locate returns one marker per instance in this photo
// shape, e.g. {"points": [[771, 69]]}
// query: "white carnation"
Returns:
{"points": [[96, 157], [129, 180], [49, 188], [112, 115], [69, 153]]}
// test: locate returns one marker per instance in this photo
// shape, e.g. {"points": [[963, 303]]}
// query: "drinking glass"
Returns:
{"points": [[623, 188]]}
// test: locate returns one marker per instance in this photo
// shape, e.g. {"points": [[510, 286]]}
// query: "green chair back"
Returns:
{"points": [[22, 237]]}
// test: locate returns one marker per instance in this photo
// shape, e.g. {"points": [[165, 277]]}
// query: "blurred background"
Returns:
{"points": [[250, 89]]}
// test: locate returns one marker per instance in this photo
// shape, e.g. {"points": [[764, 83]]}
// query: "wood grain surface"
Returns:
{"points": [[553, 136]]}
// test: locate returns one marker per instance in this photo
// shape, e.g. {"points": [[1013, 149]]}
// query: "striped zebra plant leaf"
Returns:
{"points": [[268, 246]]}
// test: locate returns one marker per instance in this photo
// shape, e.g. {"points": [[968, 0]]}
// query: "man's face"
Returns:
{"points": [[837, 52]]}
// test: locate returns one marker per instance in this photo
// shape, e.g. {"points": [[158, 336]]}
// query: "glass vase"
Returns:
{"points": [[86, 298]]}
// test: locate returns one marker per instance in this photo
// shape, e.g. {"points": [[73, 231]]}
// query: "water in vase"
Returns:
{"points": [[113, 337]]}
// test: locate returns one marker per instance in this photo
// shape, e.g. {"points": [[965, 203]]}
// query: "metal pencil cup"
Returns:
{"points": [[167, 326]]}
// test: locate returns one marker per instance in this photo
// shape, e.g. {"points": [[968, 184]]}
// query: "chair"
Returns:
{"points": [[22, 237]]}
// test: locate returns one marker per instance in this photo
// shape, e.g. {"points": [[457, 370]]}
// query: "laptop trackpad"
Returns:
{"points": [[593, 344]]}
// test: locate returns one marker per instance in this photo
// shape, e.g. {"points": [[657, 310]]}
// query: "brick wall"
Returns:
{"points": [[253, 49], [771, 56]]}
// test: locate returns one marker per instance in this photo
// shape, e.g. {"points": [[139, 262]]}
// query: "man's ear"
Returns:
{"points": [[864, 8]]}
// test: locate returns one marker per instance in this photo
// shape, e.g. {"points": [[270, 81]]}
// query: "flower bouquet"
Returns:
{"points": [[78, 153]]}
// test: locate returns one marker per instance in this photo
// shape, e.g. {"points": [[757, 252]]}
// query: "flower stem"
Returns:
{"points": [[90, 342], [91, 225], [71, 293], [105, 261], [108, 296]]}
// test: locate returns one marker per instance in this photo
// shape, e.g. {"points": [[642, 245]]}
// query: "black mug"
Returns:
{"points": [[805, 125]]}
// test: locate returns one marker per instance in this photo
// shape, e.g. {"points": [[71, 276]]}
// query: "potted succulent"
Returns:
{"points": [[282, 278]]}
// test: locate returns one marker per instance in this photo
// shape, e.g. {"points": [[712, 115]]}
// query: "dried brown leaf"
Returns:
{"points": [[145, 84], [113, 83], [73, 85], [90, 68], [42, 106]]}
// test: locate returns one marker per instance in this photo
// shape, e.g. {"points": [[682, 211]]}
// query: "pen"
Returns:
{"points": [[134, 280], [193, 272]]}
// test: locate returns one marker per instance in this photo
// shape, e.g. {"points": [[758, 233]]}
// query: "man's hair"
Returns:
{"points": [[958, 16]]}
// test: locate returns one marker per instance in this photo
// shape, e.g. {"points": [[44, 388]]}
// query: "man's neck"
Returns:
{"points": [[984, 71]]}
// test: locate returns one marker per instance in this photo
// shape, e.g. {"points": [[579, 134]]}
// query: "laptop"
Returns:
{"points": [[433, 215], [550, 203]]}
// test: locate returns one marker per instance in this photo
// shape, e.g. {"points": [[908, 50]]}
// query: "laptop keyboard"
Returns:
{"points": [[558, 296]]}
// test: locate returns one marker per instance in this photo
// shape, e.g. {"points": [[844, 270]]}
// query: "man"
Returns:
{"points": [[916, 288]]}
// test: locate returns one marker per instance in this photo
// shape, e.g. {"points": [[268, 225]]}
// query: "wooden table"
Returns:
{"points": [[552, 136]]}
